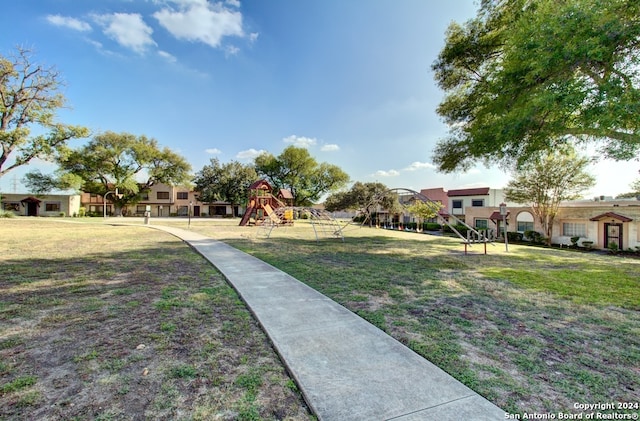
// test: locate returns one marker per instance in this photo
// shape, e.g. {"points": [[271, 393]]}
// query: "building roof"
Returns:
{"points": [[260, 184], [612, 215], [495, 216], [286, 194], [31, 199], [481, 191]]}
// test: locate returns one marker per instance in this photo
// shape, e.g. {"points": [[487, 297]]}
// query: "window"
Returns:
{"points": [[52, 206], [183, 210], [141, 208], [163, 195], [144, 196], [482, 224], [524, 226], [478, 203], [183, 195], [12, 206], [574, 229], [524, 222], [456, 204]]}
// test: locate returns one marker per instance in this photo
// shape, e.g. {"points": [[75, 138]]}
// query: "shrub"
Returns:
{"points": [[534, 236], [587, 244], [514, 236], [574, 241], [6, 214], [431, 226], [61, 214], [613, 248], [462, 229], [82, 211]]}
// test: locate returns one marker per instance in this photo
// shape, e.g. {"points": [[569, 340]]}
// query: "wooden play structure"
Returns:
{"points": [[271, 210], [263, 204]]}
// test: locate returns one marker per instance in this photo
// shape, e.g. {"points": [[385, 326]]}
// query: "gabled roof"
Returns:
{"points": [[286, 194], [495, 216], [481, 191], [31, 199], [261, 184], [612, 215]]}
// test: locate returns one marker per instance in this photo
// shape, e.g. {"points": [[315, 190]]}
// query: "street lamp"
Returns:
{"points": [[503, 212], [104, 200], [190, 204]]}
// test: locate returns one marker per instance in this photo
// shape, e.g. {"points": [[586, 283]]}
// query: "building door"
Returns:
{"points": [[196, 211], [613, 235], [32, 209]]}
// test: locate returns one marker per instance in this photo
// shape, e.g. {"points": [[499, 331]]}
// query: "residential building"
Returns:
{"points": [[44, 205], [163, 200], [594, 221]]}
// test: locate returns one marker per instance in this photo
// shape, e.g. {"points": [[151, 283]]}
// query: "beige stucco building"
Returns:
{"points": [[600, 222], [163, 200], [25, 204]]}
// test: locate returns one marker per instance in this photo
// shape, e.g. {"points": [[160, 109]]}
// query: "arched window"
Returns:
{"points": [[525, 221]]}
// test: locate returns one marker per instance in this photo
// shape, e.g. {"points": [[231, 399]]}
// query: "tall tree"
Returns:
{"points": [[635, 191], [227, 182], [366, 198], [130, 163], [424, 210], [295, 169], [29, 98], [527, 76], [548, 180]]}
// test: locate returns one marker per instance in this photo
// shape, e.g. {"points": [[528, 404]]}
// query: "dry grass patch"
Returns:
{"points": [[104, 322]]}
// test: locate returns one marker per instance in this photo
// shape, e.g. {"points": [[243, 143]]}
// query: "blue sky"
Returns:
{"points": [[349, 80]]}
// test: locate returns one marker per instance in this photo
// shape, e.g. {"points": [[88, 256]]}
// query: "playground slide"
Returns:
{"points": [[246, 216], [272, 214]]}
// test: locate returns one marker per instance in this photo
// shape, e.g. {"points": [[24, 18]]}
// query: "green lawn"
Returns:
{"points": [[533, 330]]}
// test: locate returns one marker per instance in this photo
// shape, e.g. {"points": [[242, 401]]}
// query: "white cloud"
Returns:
{"points": [[300, 141], [213, 151], [253, 37], [390, 173], [200, 20], [420, 165], [331, 147], [169, 57], [249, 154], [234, 3], [68, 22], [127, 29]]}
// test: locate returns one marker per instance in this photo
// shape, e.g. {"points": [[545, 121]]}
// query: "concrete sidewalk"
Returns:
{"points": [[346, 368]]}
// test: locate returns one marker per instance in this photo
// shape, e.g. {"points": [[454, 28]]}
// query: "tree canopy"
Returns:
{"points": [[124, 161], [29, 98], [548, 180], [424, 210], [296, 170], [227, 182], [527, 76], [635, 191], [363, 197]]}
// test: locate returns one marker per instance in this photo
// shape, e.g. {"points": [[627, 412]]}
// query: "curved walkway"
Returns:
{"points": [[346, 368]]}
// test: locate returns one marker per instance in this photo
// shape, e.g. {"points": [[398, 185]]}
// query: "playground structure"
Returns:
{"points": [[271, 211]]}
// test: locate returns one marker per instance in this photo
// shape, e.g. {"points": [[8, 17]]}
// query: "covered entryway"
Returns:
{"points": [[611, 226], [32, 204], [613, 235]]}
